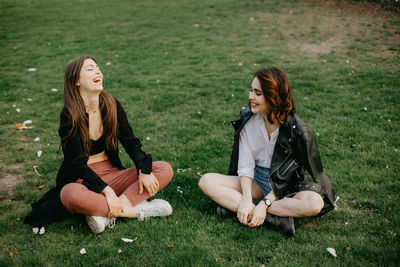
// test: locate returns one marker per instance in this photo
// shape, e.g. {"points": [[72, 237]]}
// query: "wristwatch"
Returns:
{"points": [[267, 202]]}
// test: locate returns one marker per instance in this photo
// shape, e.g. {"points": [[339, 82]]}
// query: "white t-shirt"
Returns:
{"points": [[255, 148]]}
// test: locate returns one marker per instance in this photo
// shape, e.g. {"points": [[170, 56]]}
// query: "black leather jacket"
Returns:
{"points": [[294, 160]]}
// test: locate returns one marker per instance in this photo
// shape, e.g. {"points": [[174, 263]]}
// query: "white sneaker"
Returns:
{"points": [[142, 204], [97, 224], [154, 208]]}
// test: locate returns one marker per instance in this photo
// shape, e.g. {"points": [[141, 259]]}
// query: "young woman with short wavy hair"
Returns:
{"points": [[274, 153]]}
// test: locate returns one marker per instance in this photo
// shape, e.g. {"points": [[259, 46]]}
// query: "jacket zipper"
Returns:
{"points": [[269, 177], [283, 173]]}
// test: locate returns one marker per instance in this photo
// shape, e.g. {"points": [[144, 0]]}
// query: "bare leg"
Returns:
{"points": [[226, 190], [129, 210], [303, 204]]}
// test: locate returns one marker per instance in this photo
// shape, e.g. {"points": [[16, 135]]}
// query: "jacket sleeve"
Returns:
{"points": [[75, 157], [131, 143], [311, 160]]}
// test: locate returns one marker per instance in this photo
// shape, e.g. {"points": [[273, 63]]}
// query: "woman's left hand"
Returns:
{"points": [[259, 213], [149, 181]]}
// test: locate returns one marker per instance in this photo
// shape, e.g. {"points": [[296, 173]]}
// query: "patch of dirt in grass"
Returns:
{"points": [[10, 180], [321, 27]]}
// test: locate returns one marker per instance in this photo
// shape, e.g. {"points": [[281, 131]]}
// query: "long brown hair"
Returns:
{"points": [[278, 93], [74, 103]]}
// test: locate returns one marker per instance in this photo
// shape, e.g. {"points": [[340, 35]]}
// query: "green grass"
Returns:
{"points": [[181, 69]]}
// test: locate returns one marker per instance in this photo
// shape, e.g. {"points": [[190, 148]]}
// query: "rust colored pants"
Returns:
{"points": [[77, 198]]}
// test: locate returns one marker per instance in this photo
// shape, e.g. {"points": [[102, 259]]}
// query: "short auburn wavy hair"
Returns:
{"points": [[278, 93]]}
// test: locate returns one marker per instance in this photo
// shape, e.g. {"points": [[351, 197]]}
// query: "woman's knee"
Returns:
{"points": [[70, 196], [314, 205], [206, 182], [164, 172]]}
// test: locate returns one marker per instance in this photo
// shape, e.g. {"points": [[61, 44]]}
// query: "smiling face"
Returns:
{"points": [[258, 103], [90, 77]]}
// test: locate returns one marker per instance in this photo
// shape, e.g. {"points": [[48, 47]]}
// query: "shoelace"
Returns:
{"points": [[111, 222]]}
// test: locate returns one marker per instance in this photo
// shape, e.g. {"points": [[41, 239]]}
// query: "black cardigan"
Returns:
{"points": [[49, 208]]}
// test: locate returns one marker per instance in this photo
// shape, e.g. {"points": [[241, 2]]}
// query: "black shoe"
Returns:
{"points": [[222, 212], [284, 223]]}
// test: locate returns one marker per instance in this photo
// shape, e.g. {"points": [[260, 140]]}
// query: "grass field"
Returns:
{"points": [[181, 69]]}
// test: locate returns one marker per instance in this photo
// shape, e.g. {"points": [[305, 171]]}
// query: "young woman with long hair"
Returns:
{"points": [[274, 153], [91, 180]]}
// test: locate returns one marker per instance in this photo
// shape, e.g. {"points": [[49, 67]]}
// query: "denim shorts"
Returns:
{"points": [[261, 175]]}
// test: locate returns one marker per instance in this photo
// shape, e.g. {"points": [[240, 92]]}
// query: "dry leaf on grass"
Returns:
{"points": [[127, 240], [170, 246], [332, 251], [39, 153], [42, 230], [334, 204], [82, 251], [36, 171]]}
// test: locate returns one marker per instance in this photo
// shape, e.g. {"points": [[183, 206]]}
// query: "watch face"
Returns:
{"points": [[267, 202]]}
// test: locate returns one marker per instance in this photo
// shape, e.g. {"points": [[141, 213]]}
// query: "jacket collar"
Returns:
{"points": [[286, 130]]}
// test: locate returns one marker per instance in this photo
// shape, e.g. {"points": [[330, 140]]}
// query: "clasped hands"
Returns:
{"points": [[148, 181], [251, 215]]}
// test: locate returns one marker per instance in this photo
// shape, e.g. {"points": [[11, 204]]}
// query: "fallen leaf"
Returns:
{"points": [[18, 109], [40, 186], [32, 69], [11, 254], [35, 230], [21, 126], [332, 251], [42, 230], [334, 204], [37, 139], [54, 89], [39, 153], [170, 246], [127, 240], [348, 248], [82, 251], [119, 251], [36, 171]]}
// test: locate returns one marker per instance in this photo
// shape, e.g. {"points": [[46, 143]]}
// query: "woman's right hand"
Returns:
{"points": [[245, 210], [113, 201]]}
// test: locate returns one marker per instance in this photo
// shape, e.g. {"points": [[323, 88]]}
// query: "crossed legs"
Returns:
{"points": [[226, 191], [77, 198]]}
